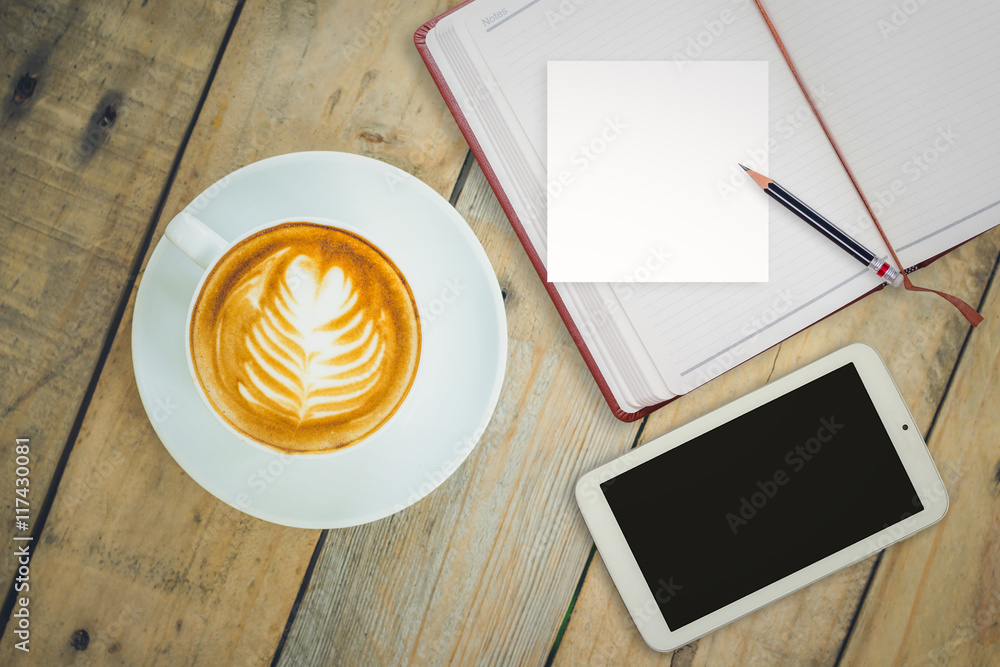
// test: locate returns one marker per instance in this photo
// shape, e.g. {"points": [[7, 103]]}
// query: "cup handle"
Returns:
{"points": [[195, 239]]}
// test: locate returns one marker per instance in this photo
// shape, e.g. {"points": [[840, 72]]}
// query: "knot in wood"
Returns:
{"points": [[80, 640], [25, 88]]}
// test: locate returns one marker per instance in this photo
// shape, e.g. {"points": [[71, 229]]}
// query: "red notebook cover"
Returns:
{"points": [[420, 40]]}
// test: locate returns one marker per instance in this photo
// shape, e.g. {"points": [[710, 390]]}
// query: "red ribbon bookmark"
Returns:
{"points": [[974, 318]]}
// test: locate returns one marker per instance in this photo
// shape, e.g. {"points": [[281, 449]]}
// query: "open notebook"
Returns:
{"points": [[912, 99]]}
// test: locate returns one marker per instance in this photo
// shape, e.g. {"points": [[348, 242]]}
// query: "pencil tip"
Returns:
{"points": [[745, 168]]}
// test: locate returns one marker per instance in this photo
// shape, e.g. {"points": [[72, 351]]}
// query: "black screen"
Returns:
{"points": [[761, 497]]}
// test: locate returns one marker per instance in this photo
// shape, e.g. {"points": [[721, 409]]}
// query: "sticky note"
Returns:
{"points": [[641, 157]]}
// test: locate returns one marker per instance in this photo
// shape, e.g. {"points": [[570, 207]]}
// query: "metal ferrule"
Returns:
{"points": [[876, 264]]}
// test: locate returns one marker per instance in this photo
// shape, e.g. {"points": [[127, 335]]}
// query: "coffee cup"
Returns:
{"points": [[302, 337]]}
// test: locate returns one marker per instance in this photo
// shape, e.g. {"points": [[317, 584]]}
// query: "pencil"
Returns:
{"points": [[880, 266]]}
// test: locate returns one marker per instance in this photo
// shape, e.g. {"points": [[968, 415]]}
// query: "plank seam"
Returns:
{"points": [[456, 192], [569, 611], [961, 351], [857, 609], [927, 437], [116, 320], [306, 578], [583, 574], [463, 176]]}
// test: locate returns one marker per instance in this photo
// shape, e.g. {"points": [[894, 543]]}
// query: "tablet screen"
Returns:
{"points": [[761, 497]]}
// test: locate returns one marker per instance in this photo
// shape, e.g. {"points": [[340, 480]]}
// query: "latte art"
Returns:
{"points": [[314, 350], [305, 338]]}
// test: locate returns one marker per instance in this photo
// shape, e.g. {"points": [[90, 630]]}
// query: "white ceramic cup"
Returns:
{"points": [[205, 247]]}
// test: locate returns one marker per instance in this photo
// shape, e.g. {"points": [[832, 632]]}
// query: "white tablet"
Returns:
{"points": [[761, 497]]}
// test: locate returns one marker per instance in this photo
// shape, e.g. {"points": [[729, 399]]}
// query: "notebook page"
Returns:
{"points": [[606, 330], [694, 332], [916, 110]]}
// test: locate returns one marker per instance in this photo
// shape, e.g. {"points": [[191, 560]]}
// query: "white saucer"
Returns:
{"points": [[462, 359]]}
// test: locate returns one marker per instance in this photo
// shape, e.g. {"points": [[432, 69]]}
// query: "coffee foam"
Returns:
{"points": [[305, 338]]}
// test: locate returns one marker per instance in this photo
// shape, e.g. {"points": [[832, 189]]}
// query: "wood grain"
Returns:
{"points": [[96, 100], [919, 337], [341, 76], [135, 554], [935, 599], [139, 565], [483, 568]]}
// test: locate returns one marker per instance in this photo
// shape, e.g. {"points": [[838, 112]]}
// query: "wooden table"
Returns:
{"points": [[113, 116]]}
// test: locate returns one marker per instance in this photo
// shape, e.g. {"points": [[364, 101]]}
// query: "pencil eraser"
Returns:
{"points": [[898, 280]]}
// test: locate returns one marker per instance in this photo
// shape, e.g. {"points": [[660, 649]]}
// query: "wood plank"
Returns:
{"points": [[935, 599], [96, 101], [135, 553], [919, 337], [483, 568]]}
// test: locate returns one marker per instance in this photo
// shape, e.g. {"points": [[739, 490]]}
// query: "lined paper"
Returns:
{"points": [[917, 115], [612, 341], [694, 332]]}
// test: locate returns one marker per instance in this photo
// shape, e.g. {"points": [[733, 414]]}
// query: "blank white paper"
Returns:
{"points": [[640, 159]]}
